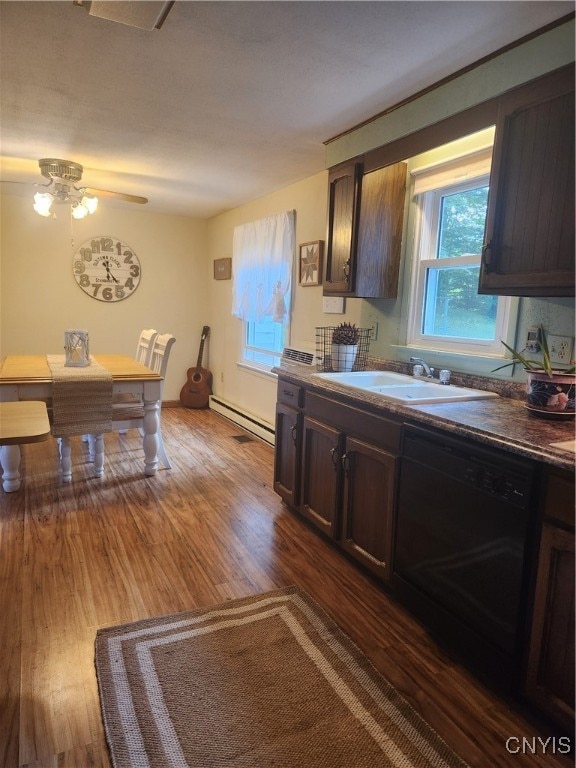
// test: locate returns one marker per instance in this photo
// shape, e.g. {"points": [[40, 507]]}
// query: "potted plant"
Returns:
{"points": [[550, 392], [344, 347]]}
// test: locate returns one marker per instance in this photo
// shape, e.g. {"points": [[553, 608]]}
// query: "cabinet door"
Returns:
{"points": [[368, 502], [321, 448], [287, 454], [550, 675], [343, 203], [380, 232], [529, 248]]}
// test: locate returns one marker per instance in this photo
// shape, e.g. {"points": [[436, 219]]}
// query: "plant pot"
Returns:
{"points": [[344, 356], [551, 396]]}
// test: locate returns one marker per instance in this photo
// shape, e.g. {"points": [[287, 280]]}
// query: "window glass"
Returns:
{"points": [[462, 219], [453, 308], [265, 341]]}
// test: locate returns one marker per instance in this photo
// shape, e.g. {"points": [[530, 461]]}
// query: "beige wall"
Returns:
{"points": [[250, 391], [39, 297]]}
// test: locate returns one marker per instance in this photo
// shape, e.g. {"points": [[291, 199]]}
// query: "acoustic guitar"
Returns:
{"points": [[198, 388]]}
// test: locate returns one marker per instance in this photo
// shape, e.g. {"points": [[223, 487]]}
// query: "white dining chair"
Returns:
{"points": [[143, 355], [145, 345], [131, 415]]}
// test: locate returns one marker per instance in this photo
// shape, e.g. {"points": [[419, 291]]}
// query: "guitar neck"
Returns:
{"points": [[200, 353]]}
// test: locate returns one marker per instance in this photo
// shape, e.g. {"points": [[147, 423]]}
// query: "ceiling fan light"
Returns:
{"points": [[43, 203], [90, 203], [79, 211]]}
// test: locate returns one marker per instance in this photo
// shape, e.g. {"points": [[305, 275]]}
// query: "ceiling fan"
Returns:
{"points": [[62, 187]]}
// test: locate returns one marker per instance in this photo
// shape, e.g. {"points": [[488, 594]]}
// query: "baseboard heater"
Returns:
{"points": [[250, 423]]}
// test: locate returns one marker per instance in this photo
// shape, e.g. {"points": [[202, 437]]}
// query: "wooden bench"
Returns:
{"points": [[21, 421]]}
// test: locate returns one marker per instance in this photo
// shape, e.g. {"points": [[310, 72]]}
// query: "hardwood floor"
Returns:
{"points": [[95, 553]]}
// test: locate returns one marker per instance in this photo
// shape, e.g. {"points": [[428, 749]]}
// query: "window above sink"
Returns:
{"points": [[447, 214]]}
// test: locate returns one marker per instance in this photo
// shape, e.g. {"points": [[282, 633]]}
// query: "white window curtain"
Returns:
{"points": [[262, 259]]}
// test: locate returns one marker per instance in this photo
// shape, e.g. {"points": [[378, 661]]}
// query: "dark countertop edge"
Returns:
{"points": [[468, 419]]}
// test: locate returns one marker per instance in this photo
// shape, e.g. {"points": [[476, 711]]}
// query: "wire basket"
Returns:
{"points": [[341, 357]]}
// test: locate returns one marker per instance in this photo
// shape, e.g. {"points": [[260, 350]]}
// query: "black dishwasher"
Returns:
{"points": [[461, 545]]}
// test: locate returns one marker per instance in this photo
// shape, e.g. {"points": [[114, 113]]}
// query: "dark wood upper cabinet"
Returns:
{"points": [[343, 206], [529, 248], [380, 232], [365, 221]]}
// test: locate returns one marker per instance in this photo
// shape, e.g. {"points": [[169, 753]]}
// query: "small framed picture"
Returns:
{"points": [[310, 262], [222, 269]]}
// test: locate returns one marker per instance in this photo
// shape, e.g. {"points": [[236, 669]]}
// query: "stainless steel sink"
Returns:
{"points": [[400, 388]]}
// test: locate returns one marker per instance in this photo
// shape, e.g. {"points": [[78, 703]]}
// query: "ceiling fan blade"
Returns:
{"points": [[118, 195], [25, 183]]}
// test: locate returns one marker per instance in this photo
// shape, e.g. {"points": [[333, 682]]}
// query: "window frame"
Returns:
{"points": [[426, 208]]}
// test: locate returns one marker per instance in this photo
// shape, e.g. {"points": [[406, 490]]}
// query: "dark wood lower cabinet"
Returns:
{"points": [[550, 675], [348, 479], [368, 502], [287, 454], [321, 446]]}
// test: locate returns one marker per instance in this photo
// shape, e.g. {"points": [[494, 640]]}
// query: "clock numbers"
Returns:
{"points": [[106, 269]]}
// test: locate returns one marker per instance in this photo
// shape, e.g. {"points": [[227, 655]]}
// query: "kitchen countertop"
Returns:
{"points": [[501, 422]]}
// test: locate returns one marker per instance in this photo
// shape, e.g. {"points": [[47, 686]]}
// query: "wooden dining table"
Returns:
{"points": [[30, 377]]}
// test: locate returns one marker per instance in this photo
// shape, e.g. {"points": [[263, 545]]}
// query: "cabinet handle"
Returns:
{"points": [[288, 393], [334, 457], [344, 460], [346, 269], [293, 429]]}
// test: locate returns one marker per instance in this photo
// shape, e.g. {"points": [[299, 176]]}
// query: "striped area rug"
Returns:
{"points": [[265, 681]]}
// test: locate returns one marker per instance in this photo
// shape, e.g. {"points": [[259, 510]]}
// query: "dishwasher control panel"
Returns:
{"points": [[488, 470]]}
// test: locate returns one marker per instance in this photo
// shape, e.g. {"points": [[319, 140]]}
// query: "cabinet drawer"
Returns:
{"points": [[290, 394], [381, 431]]}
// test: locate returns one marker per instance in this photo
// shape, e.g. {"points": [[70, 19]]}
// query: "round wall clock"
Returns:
{"points": [[106, 269]]}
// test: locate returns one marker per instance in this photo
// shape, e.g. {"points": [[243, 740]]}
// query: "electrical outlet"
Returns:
{"points": [[374, 331], [560, 348]]}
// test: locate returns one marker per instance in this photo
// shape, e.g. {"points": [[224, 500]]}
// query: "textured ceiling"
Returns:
{"points": [[228, 101]]}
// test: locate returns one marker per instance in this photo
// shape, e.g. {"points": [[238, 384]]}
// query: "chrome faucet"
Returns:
{"points": [[428, 371]]}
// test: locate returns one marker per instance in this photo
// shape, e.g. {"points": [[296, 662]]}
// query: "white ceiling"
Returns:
{"points": [[228, 101]]}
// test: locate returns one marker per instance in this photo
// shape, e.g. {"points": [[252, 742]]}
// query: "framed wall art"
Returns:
{"points": [[310, 262], [222, 269]]}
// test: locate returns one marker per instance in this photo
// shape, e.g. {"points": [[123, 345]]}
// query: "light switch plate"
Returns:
{"points": [[333, 305], [533, 339]]}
